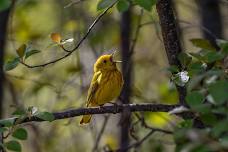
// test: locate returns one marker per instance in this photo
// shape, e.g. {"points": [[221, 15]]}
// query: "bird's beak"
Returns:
{"points": [[112, 56]]}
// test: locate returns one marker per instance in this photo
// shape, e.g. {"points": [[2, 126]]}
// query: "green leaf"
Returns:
{"points": [[19, 112], [219, 91], [173, 69], [5, 4], [146, 4], [185, 59], [203, 44], [10, 65], [21, 50], [13, 145], [45, 116], [208, 118], [194, 99], [7, 122], [220, 128], [123, 5], [20, 133], [195, 68], [225, 49], [104, 4], [213, 56], [186, 124], [31, 52], [2, 129]]}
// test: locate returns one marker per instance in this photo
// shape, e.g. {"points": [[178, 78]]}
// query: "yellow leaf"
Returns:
{"points": [[21, 50], [56, 37], [158, 119]]}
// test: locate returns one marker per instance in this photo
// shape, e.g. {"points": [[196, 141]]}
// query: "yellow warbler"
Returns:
{"points": [[106, 84]]}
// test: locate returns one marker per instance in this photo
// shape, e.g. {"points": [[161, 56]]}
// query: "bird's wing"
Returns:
{"points": [[93, 88]]}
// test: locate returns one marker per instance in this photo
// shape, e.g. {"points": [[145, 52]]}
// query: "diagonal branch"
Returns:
{"points": [[145, 107], [79, 42]]}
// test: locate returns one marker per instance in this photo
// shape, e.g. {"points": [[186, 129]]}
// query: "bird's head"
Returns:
{"points": [[105, 63]]}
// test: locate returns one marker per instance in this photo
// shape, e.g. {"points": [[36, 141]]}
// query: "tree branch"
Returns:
{"points": [[78, 44], [146, 107]]}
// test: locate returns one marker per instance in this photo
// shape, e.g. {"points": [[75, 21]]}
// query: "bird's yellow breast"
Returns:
{"points": [[111, 83]]}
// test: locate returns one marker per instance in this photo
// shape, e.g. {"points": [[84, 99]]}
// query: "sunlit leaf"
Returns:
{"points": [[146, 4], [45, 116], [10, 65], [56, 37], [157, 119], [21, 50], [31, 52], [20, 133], [219, 91], [123, 5], [70, 40], [104, 4], [203, 44], [13, 145]]}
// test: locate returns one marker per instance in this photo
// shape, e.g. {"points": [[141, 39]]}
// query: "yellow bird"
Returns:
{"points": [[106, 84]]}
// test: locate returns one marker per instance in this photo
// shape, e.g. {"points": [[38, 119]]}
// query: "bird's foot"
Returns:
{"points": [[115, 106]]}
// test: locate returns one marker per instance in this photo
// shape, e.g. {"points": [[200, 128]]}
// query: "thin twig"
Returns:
{"points": [[134, 41], [78, 44], [73, 3], [200, 26], [101, 133]]}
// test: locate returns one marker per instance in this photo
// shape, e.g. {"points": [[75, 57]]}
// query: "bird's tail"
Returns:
{"points": [[85, 119]]}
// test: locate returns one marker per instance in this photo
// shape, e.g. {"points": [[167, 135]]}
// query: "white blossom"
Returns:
{"points": [[183, 76]]}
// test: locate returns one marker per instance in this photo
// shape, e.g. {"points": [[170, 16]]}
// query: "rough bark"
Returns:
{"points": [[171, 39], [126, 70]]}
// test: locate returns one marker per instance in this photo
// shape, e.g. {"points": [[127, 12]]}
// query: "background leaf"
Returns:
{"points": [[4, 4], [219, 91], [203, 44], [123, 5], [13, 145], [10, 65], [21, 50], [56, 37], [146, 4], [20, 133], [194, 99], [104, 4], [31, 52], [46, 116]]}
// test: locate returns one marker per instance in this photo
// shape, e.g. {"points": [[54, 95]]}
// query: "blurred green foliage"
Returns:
{"points": [[64, 84]]}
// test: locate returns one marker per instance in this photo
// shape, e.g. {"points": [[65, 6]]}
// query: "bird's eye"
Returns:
{"points": [[104, 61]]}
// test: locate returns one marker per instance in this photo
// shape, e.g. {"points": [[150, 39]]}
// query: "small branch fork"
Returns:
{"points": [[146, 107], [69, 52]]}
